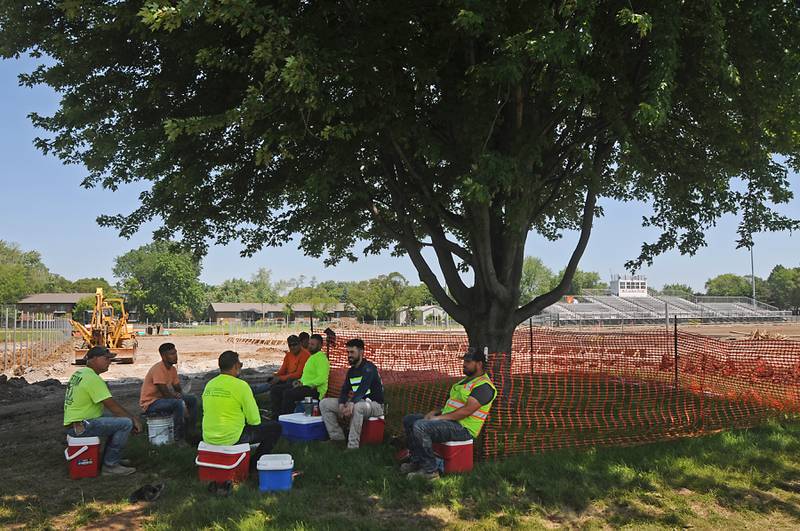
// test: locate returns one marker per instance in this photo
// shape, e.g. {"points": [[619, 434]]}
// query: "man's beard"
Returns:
{"points": [[353, 361], [469, 373]]}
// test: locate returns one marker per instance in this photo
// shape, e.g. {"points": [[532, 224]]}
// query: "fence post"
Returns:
{"points": [[675, 337], [530, 329], [5, 342], [14, 339], [27, 333]]}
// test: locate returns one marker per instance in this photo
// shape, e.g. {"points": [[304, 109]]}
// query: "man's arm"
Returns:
{"points": [[301, 363], [166, 392], [346, 388], [480, 396], [318, 374], [367, 376], [250, 408], [463, 412], [119, 411], [282, 372]]}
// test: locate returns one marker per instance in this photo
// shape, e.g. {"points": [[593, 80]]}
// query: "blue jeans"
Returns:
{"points": [[175, 407], [421, 434], [116, 429]]}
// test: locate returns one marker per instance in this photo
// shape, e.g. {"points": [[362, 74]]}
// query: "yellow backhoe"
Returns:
{"points": [[106, 329]]}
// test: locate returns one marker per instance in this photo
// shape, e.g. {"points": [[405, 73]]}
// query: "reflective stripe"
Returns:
{"points": [[355, 381], [455, 403], [480, 415]]}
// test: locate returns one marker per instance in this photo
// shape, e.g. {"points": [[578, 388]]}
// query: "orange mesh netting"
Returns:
{"points": [[572, 389]]}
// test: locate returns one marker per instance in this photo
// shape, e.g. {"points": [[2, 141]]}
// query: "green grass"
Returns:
{"points": [[731, 479]]}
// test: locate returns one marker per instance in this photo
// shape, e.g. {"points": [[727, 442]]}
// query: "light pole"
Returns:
{"points": [[752, 275]]}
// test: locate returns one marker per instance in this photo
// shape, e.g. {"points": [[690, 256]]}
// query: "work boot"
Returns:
{"points": [[117, 470], [424, 475], [406, 468]]}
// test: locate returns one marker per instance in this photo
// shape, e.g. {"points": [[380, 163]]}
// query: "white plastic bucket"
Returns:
{"points": [[160, 430]]}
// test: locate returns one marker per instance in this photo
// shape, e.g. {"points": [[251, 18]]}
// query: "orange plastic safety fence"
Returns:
{"points": [[560, 389]]}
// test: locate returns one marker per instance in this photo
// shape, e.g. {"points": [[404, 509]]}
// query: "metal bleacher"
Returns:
{"points": [[629, 299]]}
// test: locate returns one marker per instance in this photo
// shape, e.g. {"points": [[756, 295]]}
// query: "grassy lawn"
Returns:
{"points": [[733, 479]]}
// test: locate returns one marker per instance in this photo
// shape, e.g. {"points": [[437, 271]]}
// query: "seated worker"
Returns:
{"points": [[304, 339], [460, 419], [85, 397], [161, 392], [313, 382], [291, 369], [230, 413], [361, 396]]}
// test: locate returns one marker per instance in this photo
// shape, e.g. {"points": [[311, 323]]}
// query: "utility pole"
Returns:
{"points": [[752, 275]]}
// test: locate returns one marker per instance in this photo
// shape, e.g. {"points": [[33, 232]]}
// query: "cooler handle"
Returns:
{"points": [[217, 465], [76, 454]]}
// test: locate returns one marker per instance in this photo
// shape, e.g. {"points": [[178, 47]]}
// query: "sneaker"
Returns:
{"points": [[124, 462], [406, 468], [117, 470], [424, 475]]}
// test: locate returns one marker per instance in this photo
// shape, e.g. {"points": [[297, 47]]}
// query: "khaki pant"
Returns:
{"points": [[329, 407]]}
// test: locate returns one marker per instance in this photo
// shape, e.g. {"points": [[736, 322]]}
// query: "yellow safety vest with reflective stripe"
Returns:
{"points": [[355, 381], [459, 394]]}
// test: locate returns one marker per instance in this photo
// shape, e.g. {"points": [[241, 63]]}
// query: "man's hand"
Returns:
{"points": [[137, 425], [346, 409], [296, 383], [271, 379], [431, 414]]}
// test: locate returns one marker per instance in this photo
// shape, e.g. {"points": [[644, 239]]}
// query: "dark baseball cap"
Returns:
{"points": [[96, 352], [474, 354]]}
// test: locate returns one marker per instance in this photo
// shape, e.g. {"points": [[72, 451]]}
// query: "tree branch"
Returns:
{"points": [[587, 220], [484, 263]]}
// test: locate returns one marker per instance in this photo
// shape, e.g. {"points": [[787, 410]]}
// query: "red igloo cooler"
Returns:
{"points": [[223, 463], [372, 430], [457, 455], [83, 456]]}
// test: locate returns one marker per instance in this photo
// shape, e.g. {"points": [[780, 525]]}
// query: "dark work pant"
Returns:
{"points": [[276, 396], [294, 395], [266, 434], [421, 434]]}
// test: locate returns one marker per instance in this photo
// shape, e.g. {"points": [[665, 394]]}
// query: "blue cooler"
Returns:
{"points": [[298, 427], [275, 472]]}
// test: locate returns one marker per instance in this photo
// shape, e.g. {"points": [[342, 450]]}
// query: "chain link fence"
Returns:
{"points": [[29, 339]]}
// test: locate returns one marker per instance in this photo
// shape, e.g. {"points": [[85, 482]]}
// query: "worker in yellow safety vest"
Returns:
{"points": [[460, 419]]}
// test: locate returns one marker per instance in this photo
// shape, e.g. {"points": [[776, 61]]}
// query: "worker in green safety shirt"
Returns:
{"points": [[314, 380], [231, 415], [460, 419]]}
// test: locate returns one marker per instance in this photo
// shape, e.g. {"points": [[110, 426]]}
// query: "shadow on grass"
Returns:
{"points": [[656, 485]]}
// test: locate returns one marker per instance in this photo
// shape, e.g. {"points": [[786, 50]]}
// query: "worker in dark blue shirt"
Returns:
{"points": [[361, 397]]}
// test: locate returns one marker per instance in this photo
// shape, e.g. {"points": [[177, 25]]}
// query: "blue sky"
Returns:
{"points": [[43, 208]]}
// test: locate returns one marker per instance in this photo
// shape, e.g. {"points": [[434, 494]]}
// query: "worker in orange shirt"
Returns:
{"points": [[291, 369]]}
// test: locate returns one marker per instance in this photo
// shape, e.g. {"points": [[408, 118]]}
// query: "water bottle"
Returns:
{"points": [[308, 407]]}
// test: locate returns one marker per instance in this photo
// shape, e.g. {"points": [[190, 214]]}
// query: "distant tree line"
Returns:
{"points": [[162, 282]]}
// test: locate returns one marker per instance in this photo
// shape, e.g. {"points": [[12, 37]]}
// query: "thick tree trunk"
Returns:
{"points": [[491, 326]]}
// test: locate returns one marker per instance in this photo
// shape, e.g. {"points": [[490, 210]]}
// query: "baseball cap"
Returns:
{"points": [[474, 354], [96, 352]]}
